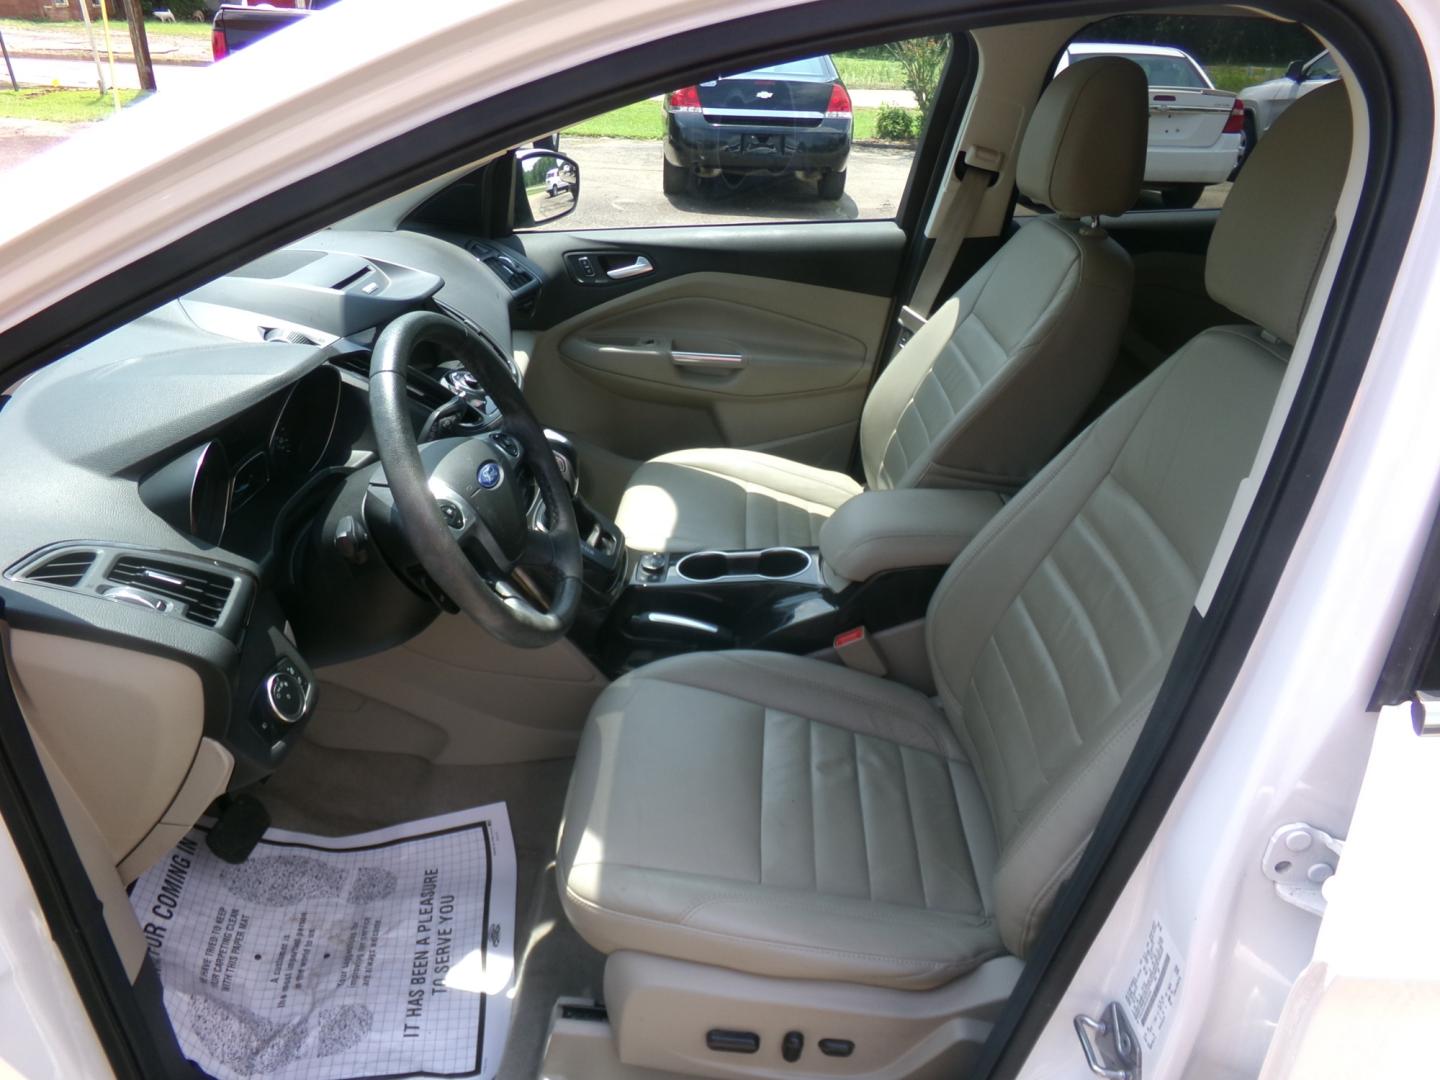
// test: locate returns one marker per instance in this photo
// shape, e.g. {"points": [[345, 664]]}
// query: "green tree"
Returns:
{"points": [[922, 60]]}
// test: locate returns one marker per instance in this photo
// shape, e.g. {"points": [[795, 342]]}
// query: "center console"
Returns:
{"points": [[876, 567]]}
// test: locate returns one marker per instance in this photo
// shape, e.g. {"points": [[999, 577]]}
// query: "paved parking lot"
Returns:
{"points": [[620, 186]]}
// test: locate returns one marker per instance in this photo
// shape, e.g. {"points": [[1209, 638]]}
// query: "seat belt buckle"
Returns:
{"points": [[857, 651]]}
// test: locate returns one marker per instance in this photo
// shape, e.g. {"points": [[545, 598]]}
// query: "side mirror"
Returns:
{"points": [[547, 186], [1296, 71]]}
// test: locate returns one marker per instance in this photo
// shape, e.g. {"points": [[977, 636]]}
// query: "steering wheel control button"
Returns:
{"points": [[489, 475], [452, 515], [286, 694], [732, 1042]]}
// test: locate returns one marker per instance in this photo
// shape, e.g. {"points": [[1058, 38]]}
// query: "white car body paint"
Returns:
{"points": [[1266, 101], [1180, 149], [45, 1033], [1292, 741]]}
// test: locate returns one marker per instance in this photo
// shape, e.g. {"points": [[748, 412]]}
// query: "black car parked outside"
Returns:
{"points": [[788, 119]]}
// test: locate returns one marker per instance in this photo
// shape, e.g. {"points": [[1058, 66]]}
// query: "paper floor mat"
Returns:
{"points": [[386, 954]]}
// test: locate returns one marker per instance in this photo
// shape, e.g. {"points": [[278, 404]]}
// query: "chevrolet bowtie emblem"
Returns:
{"points": [[764, 95]]}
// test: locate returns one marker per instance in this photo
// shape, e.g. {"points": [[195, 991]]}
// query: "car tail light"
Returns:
{"points": [[686, 99], [1235, 123], [839, 101], [217, 45]]}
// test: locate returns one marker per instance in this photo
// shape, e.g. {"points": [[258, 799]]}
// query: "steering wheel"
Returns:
{"points": [[462, 507]]}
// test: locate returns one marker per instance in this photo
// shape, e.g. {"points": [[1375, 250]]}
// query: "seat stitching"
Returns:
{"points": [[1044, 650], [1052, 564], [1037, 826], [811, 950], [860, 802], [776, 464], [778, 896], [968, 849], [995, 741], [910, 820], [814, 814], [760, 817], [1047, 891], [1111, 560], [1024, 720], [899, 914], [886, 708]]}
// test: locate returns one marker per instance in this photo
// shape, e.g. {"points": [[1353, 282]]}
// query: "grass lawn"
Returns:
{"points": [[152, 28], [860, 74], [61, 106], [1236, 77], [646, 120]]}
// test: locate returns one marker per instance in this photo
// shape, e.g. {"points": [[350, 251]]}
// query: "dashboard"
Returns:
{"points": [[165, 483]]}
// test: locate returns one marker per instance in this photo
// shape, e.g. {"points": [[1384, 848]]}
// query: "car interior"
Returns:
{"points": [[804, 632]]}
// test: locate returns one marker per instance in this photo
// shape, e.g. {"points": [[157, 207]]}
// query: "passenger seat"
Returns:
{"points": [[989, 388]]}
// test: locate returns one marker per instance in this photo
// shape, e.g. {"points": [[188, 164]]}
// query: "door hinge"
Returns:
{"points": [[1299, 859], [1111, 1049]]}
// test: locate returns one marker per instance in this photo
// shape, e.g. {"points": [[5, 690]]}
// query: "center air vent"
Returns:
{"points": [[203, 594], [67, 569]]}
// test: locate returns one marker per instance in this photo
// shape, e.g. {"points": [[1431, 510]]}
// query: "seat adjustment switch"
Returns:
{"points": [[837, 1047], [732, 1042], [792, 1046]]}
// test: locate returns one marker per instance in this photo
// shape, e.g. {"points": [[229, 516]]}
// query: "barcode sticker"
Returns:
{"points": [[1155, 987]]}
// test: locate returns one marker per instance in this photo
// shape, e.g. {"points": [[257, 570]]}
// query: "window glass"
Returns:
{"points": [[810, 139], [1217, 83], [1323, 67]]}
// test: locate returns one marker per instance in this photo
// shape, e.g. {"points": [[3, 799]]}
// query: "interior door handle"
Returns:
{"points": [[717, 361], [640, 267]]}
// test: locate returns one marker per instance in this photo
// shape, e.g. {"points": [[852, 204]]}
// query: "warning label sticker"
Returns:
{"points": [[1155, 987]]}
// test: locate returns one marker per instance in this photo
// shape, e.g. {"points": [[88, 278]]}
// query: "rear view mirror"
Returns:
{"points": [[550, 183], [1296, 71]]}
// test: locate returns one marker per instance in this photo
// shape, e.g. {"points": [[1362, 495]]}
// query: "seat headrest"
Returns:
{"points": [[1084, 149], [1277, 220]]}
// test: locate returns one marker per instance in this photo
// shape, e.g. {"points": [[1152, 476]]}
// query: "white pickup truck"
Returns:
{"points": [[1197, 133]]}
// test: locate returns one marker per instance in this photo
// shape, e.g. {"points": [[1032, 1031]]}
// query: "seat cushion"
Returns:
{"points": [[782, 816], [728, 500]]}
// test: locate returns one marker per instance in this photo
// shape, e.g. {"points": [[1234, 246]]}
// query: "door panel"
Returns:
{"points": [[761, 337]]}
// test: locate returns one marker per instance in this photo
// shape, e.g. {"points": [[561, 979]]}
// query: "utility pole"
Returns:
{"points": [[8, 66], [139, 44]]}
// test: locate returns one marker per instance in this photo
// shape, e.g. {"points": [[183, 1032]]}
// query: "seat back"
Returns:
{"points": [[1050, 634], [987, 390]]}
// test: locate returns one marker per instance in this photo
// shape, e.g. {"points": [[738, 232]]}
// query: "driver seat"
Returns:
{"points": [[757, 837]]}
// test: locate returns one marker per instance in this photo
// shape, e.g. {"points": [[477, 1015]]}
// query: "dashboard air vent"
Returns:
{"points": [[67, 568], [203, 594]]}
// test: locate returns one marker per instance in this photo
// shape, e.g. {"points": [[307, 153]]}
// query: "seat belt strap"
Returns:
{"points": [[949, 225]]}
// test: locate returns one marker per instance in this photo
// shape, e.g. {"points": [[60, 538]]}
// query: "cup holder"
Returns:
{"points": [[769, 563]]}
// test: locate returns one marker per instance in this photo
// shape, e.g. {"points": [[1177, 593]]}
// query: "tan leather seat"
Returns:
{"points": [[785, 817], [987, 390]]}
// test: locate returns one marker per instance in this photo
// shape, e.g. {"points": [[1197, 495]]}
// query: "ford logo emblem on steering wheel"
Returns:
{"points": [[489, 475]]}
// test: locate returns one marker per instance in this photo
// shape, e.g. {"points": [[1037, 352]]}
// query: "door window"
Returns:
{"points": [[1216, 84], [815, 138]]}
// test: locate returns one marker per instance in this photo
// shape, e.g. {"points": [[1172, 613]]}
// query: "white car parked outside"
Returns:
{"points": [[1196, 131], [1266, 101]]}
